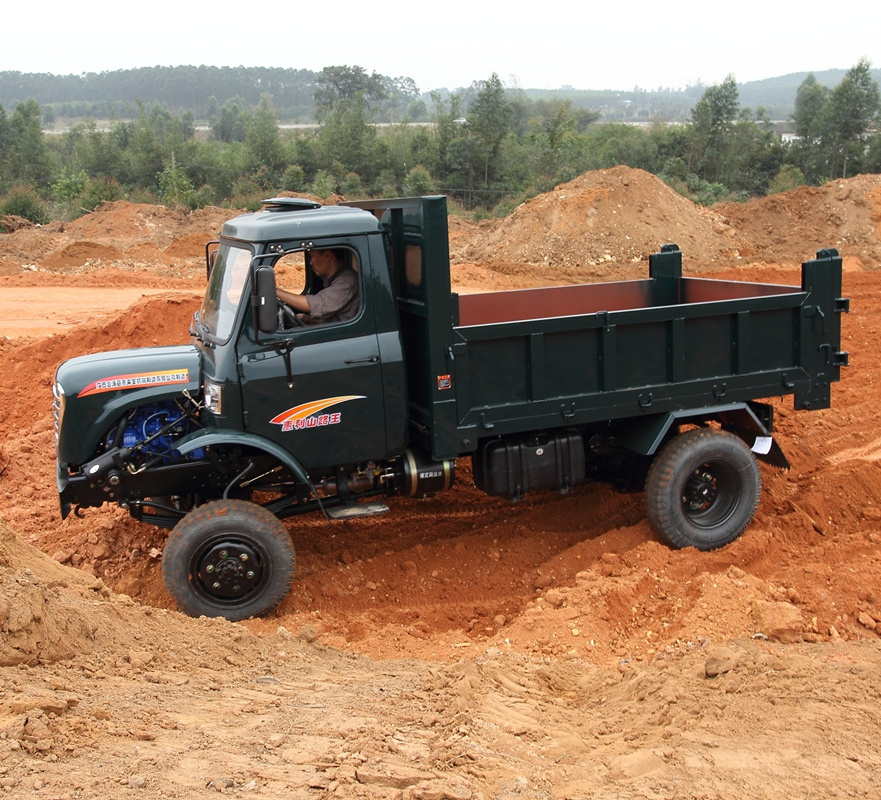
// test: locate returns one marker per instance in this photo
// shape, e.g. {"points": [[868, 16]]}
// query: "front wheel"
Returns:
{"points": [[703, 489], [228, 558]]}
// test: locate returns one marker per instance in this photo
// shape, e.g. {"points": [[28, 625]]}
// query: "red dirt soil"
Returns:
{"points": [[461, 646]]}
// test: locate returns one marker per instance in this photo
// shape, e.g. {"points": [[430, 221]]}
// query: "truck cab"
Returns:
{"points": [[316, 388]]}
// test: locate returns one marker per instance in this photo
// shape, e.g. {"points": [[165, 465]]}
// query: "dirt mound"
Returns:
{"points": [[788, 227], [11, 222], [604, 225], [118, 235], [550, 648]]}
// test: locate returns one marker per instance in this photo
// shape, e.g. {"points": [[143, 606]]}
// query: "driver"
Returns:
{"points": [[337, 301]]}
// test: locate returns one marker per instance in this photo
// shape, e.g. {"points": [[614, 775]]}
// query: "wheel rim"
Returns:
{"points": [[710, 494], [229, 570]]}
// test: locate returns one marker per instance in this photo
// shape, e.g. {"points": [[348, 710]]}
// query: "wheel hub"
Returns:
{"points": [[229, 570], [700, 491]]}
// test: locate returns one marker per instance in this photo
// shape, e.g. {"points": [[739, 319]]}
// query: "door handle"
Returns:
{"points": [[369, 360]]}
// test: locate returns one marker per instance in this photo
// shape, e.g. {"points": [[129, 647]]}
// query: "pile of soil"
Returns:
{"points": [[461, 646], [121, 235], [604, 225], [844, 214]]}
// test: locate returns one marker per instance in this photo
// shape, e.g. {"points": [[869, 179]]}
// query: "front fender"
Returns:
{"points": [[210, 437]]}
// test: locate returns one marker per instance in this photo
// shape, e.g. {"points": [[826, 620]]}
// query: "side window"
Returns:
{"points": [[290, 272], [319, 286]]}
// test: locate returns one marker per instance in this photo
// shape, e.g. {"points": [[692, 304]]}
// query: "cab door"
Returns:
{"points": [[317, 389]]}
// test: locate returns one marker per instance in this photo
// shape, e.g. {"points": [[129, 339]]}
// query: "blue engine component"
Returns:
{"points": [[165, 419]]}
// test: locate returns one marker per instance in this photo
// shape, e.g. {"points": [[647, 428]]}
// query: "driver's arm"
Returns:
{"points": [[298, 302]]}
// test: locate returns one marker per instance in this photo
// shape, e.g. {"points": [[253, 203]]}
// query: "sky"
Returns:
{"points": [[452, 43]]}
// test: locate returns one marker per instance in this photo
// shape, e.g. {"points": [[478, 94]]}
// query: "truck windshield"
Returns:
{"points": [[225, 288]]}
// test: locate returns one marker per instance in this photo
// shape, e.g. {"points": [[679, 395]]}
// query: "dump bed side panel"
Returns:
{"points": [[703, 343]]}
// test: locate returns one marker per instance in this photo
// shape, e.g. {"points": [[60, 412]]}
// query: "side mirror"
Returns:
{"points": [[265, 300], [210, 258]]}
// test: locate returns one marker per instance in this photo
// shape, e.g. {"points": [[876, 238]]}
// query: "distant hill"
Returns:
{"points": [[202, 90], [775, 95]]}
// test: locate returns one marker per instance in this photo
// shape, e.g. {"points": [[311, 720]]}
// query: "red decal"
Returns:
{"points": [[136, 380], [308, 415]]}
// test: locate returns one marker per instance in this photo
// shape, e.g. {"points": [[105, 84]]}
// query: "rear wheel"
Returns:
{"points": [[703, 489], [228, 558]]}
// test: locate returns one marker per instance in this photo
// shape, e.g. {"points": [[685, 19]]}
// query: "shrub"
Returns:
{"points": [[97, 191], [418, 182], [787, 177], [351, 185], [23, 201], [293, 178], [324, 184]]}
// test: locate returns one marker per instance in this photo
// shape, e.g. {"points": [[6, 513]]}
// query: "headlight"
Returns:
{"points": [[57, 408], [213, 394]]}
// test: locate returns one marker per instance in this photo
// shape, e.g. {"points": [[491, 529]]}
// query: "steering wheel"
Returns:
{"points": [[288, 317]]}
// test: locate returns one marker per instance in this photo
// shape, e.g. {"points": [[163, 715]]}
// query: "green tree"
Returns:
{"points": [[343, 84], [293, 178], [228, 123], [755, 155], [834, 128], [98, 191], [348, 138], [27, 158], [854, 107], [324, 184], [788, 177], [448, 127], [615, 143], [810, 101], [873, 154], [176, 188], [400, 95], [490, 117], [418, 182], [553, 126], [811, 119], [264, 143], [712, 121], [24, 201]]}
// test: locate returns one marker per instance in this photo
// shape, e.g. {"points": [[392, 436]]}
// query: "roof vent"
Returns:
{"points": [[289, 204]]}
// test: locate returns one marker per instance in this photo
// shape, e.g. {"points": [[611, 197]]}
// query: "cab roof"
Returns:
{"points": [[286, 218]]}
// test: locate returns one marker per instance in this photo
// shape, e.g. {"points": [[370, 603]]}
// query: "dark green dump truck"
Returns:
{"points": [[274, 411]]}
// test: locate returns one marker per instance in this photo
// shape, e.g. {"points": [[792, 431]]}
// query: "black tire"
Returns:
{"points": [[228, 558], [703, 489]]}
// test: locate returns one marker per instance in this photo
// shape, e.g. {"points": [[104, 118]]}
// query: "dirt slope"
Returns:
{"points": [[460, 647], [603, 225]]}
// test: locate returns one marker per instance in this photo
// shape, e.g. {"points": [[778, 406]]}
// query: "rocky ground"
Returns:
{"points": [[459, 647]]}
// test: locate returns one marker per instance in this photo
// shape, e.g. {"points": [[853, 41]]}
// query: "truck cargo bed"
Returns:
{"points": [[545, 358]]}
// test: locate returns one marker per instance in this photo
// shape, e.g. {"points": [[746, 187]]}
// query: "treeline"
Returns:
{"points": [[198, 90], [486, 147]]}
